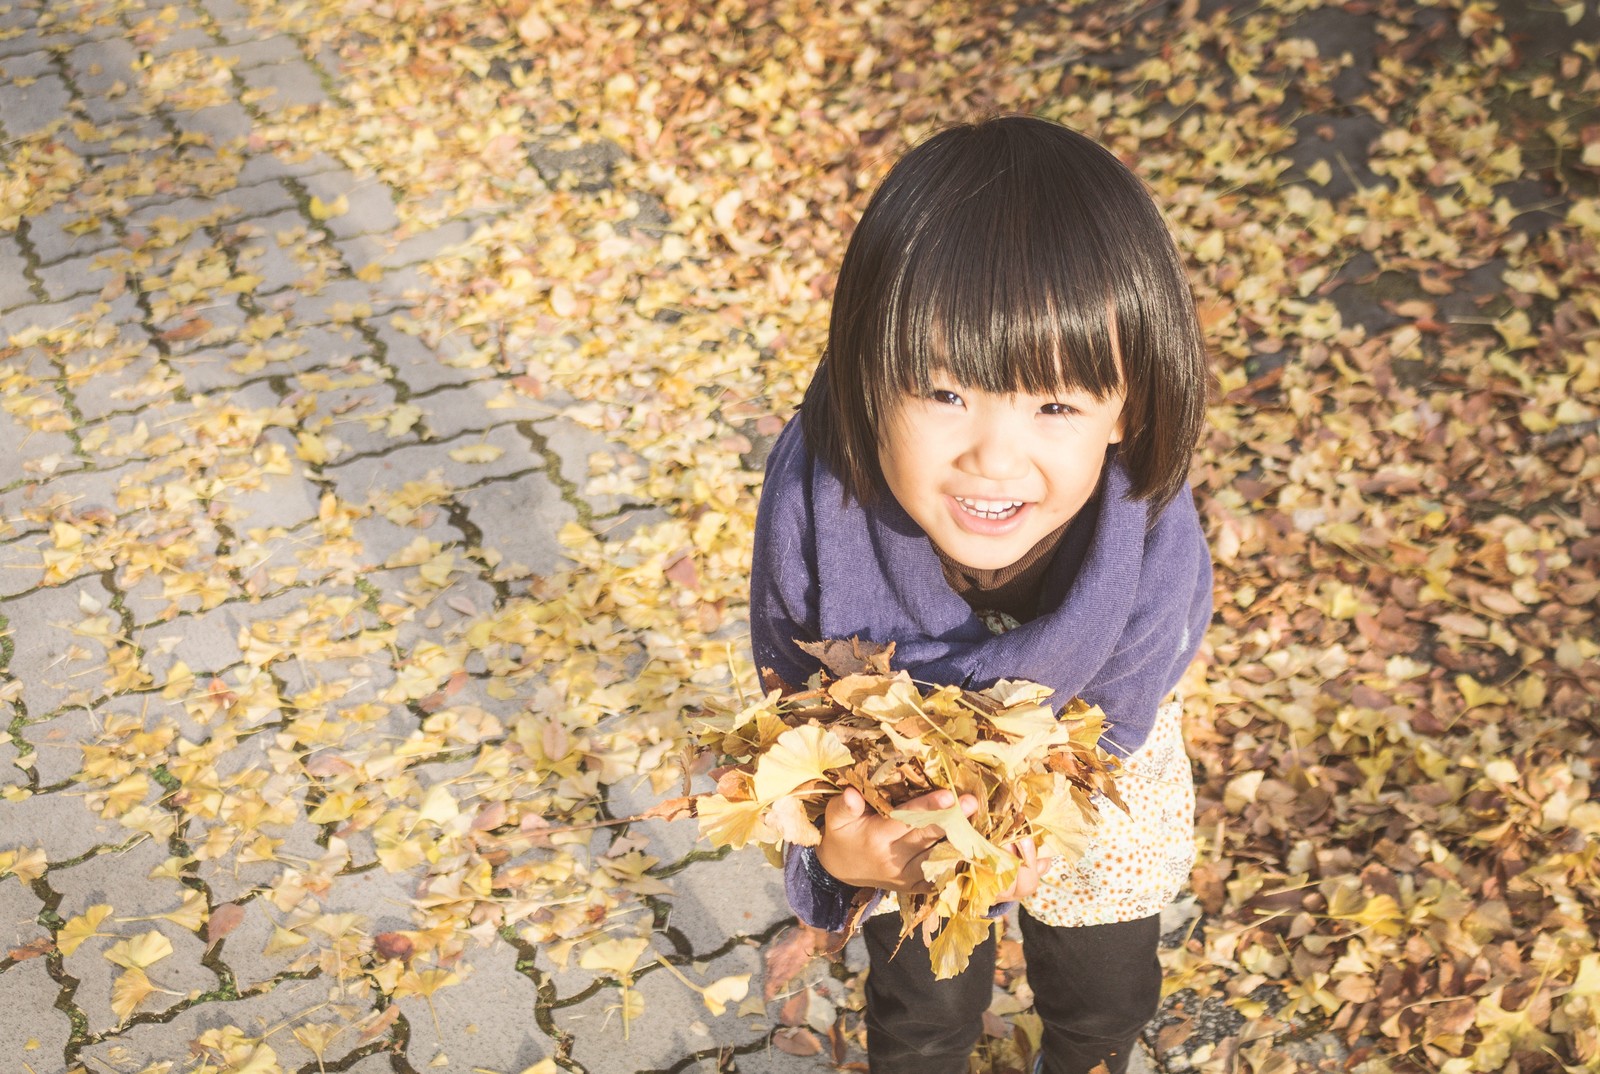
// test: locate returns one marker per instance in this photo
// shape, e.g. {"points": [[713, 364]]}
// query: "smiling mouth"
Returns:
{"points": [[990, 509]]}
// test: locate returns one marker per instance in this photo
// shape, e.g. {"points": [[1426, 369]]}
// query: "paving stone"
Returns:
{"points": [[189, 36], [285, 163], [256, 51], [341, 302], [96, 66], [121, 311], [422, 366], [14, 289], [111, 116], [740, 895], [77, 276], [209, 641], [122, 880], [452, 411], [574, 444], [19, 913], [144, 382], [51, 241], [22, 452], [159, 1042], [487, 1022], [520, 519], [230, 20], [292, 82], [669, 1028], [371, 204], [253, 202], [224, 124], [33, 1034], [28, 65], [29, 42], [29, 109], [358, 478], [245, 949], [392, 249], [49, 659], [57, 742], [282, 501], [62, 824]]}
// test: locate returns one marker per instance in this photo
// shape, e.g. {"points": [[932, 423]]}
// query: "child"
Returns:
{"points": [[989, 471]]}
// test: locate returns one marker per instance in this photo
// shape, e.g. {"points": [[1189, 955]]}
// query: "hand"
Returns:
{"points": [[1032, 868], [865, 850]]}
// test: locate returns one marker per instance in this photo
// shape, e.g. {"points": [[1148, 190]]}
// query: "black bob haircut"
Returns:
{"points": [[999, 253]]}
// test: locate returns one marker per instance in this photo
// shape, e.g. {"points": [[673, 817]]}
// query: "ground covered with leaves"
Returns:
{"points": [[281, 515]]}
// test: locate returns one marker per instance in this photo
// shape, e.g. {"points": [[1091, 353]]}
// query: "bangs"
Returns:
{"points": [[1008, 270], [1004, 308]]}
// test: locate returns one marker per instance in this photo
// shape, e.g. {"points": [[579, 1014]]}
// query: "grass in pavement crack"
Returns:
{"points": [[55, 966]]}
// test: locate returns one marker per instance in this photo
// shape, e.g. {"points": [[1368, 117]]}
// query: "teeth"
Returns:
{"points": [[990, 508]]}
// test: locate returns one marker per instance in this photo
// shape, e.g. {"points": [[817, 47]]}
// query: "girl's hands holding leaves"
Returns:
{"points": [[865, 850], [1029, 873]]}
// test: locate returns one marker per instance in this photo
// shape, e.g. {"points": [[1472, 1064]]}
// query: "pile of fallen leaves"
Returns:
{"points": [[860, 724]]}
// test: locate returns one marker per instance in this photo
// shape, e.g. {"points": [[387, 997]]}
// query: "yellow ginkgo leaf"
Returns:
{"points": [[316, 1036], [327, 210], [800, 755], [128, 991], [424, 983], [477, 453], [283, 940], [616, 956], [733, 824], [143, 950], [718, 994], [951, 950], [81, 928], [26, 865], [192, 914]]}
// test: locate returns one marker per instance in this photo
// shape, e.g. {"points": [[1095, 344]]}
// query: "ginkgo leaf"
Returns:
{"points": [[283, 940], [789, 818], [81, 928], [327, 210], [477, 453], [26, 865], [733, 824], [424, 982], [800, 755], [128, 991], [141, 951], [617, 955], [719, 993], [952, 948], [956, 828]]}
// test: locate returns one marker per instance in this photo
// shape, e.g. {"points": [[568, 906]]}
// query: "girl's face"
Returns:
{"points": [[989, 476]]}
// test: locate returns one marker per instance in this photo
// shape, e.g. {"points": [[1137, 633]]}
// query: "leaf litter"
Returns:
{"points": [[1394, 729]]}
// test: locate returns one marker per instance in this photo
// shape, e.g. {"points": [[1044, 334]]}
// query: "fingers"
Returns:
{"points": [[935, 799]]}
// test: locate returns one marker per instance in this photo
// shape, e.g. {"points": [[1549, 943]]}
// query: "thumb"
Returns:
{"points": [[853, 804]]}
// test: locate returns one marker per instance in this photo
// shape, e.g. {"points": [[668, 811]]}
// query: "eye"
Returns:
{"points": [[1059, 410], [946, 397]]}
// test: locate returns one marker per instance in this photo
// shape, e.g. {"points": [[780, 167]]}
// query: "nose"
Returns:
{"points": [[993, 450]]}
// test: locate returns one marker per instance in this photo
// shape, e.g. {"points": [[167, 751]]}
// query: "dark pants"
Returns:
{"points": [[1094, 988]]}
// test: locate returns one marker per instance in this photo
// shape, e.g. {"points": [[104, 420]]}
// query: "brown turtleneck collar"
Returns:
{"points": [[1014, 589]]}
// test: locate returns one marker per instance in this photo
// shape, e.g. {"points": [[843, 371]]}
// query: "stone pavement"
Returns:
{"points": [[219, 435]]}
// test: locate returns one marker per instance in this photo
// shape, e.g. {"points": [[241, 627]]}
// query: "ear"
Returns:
{"points": [[1118, 429]]}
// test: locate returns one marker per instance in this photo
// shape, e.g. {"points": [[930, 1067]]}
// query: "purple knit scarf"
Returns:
{"points": [[1119, 634]]}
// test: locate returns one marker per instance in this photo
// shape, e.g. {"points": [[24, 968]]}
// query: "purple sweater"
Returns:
{"points": [[1118, 634]]}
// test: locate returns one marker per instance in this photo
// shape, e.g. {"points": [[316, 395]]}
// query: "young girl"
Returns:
{"points": [[989, 471]]}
